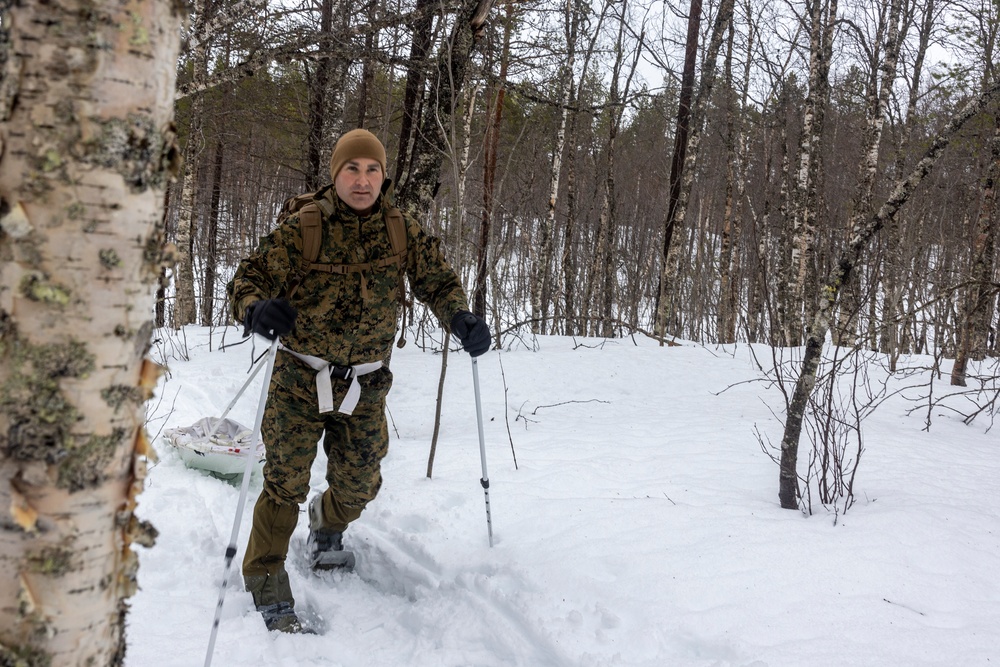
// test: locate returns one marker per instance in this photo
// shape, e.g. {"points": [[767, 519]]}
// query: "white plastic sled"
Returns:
{"points": [[217, 446]]}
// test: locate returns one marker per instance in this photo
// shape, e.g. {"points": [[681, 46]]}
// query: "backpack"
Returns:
{"points": [[311, 208]]}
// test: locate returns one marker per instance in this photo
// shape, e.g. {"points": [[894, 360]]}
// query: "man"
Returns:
{"points": [[337, 319]]}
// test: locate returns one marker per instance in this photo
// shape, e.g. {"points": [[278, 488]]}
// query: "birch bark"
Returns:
{"points": [[87, 150], [788, 491]]}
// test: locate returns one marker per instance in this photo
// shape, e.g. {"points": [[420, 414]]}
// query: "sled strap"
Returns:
{"points": [[324, 384]]}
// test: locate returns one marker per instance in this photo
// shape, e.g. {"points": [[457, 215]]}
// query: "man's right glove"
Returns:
{"points": [[472, 331], [270, 318]]}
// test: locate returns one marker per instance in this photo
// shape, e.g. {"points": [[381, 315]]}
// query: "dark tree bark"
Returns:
{"points": [[413, 95], [212, 239], [416, 194], [367, 69], [677, 209], [491, 145], [680, 149], [316, 173]]}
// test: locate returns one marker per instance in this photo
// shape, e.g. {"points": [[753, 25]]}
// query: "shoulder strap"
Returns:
{"points": [[311, 213], [396, 227], [311, 228], [309, 207]]}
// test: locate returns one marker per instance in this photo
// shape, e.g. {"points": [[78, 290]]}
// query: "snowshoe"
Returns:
{"points": [[325, 547]]}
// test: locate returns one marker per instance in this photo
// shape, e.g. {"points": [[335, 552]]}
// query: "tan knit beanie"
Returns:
{"points": [[355, 144]]}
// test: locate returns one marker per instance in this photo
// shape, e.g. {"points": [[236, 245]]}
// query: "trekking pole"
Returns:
{"points": [[247, 470], [485, 481], [215, 427]]}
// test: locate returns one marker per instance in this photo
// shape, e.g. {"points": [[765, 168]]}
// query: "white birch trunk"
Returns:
{"points": [[846, 330], [87, 147], [541, 285], [184, 298]]}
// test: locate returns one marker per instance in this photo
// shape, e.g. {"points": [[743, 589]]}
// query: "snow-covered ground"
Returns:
{"points": [[640, 527]]}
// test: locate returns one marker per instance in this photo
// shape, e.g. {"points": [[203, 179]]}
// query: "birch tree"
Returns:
{"points": [[801, 281], [86, 102], [788, 491], [877, 105], [184, 294], [974, 322], [541, 286]]}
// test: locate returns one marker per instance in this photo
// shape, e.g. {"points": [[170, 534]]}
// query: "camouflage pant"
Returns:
{"points": [[355, 446]]}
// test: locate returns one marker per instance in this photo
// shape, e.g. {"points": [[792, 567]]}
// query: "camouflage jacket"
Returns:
{"points": [[335, 322]]}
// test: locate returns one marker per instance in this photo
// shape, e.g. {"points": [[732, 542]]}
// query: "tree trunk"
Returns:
{"points": [[87, 151], [541, 286], [878, 108], [975, 321], [317, 171], [569, 253], [788, 492], [976, 311], [413, 95], [787, 304], [490, 149], [893, 339], [367, 68], [677, 161], [416, 195], [806, 196], [680, 189], [603, 271], [184, 300], [735, 185], [212, 239]]}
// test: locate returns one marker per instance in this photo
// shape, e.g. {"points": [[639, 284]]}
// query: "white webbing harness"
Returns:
{"points": [[324, 383]]}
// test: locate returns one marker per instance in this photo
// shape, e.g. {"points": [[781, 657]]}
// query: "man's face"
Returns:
{"points": [[359, 182]]}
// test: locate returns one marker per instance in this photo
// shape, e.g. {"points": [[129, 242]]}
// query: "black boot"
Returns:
{"points": [[325, 547], [272, 595]]}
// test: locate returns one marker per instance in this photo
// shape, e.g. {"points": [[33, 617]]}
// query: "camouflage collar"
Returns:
{"points": [[342, 210]]}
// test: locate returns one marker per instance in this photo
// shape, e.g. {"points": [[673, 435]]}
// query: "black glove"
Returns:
{"points": [[270, 318], [472, 331]]}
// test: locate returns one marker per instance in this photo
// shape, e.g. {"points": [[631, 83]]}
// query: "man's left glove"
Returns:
{"points": [[270, 318], [472, 331]]}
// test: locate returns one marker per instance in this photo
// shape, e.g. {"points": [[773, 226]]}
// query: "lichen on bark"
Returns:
{"points": [[39, 417], [84, 464], [136, 149], [24, 656]]}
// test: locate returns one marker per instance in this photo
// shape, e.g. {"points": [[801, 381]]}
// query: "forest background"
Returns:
{"points": [[732, 171], [623, 166]]}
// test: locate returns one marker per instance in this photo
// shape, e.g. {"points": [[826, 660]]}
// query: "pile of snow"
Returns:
{"points": [[640, 527]]}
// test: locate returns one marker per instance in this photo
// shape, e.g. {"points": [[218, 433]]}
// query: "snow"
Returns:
{"points": [[640, 527]]}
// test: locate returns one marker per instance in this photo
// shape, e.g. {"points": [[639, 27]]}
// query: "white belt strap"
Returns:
{"points": [[324, 385]]}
